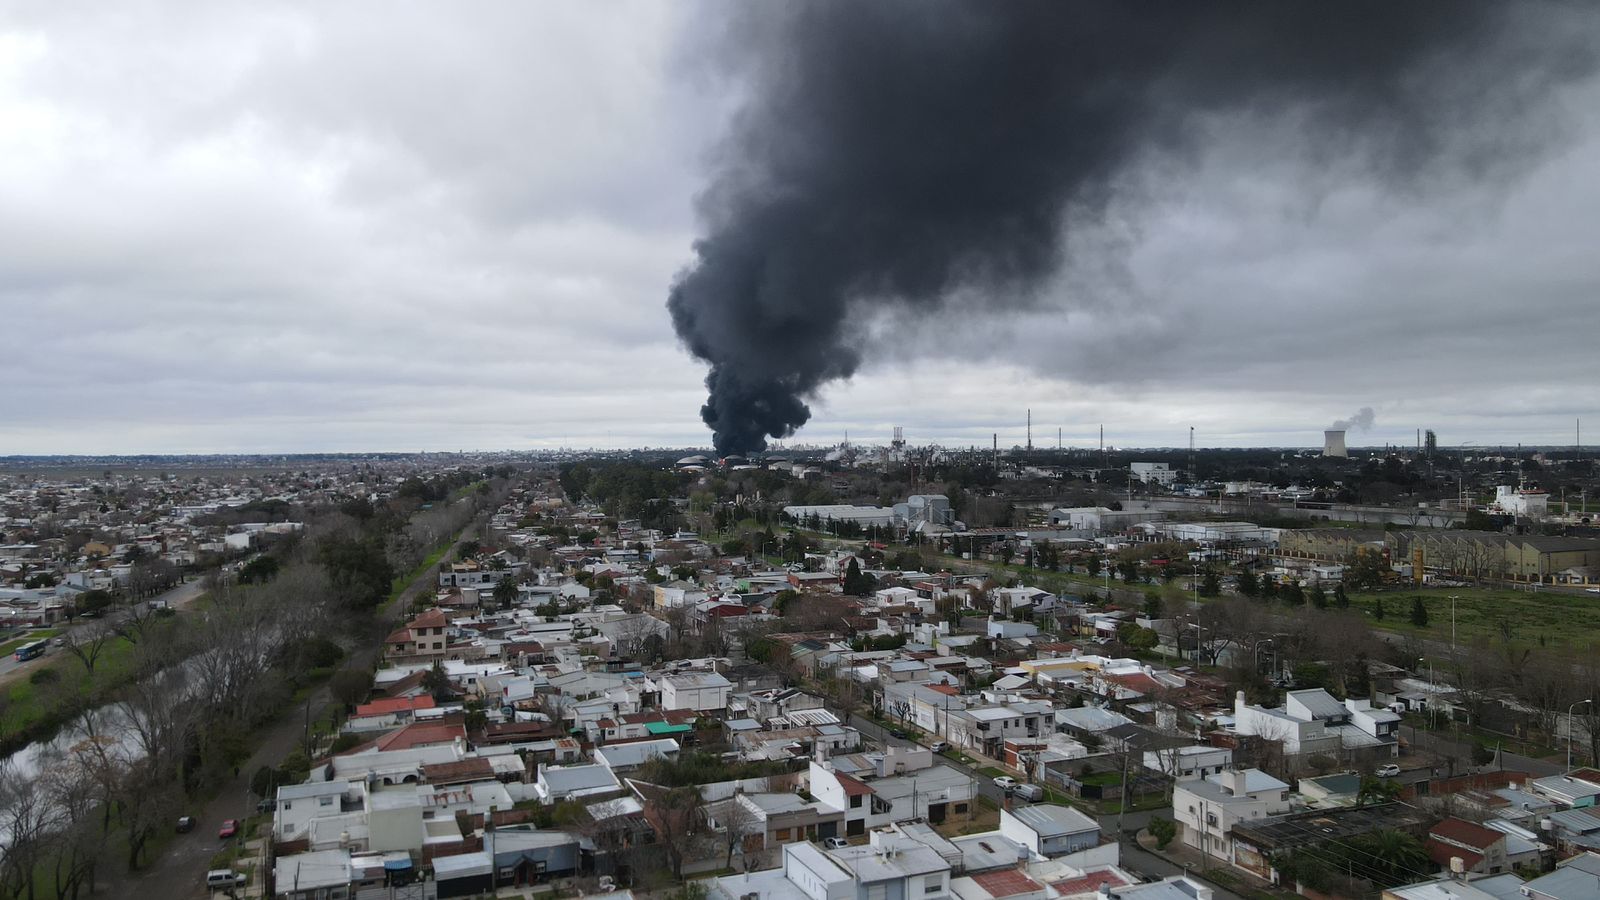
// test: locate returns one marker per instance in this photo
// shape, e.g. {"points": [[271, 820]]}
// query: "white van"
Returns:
{"points": [[217, 879], [1029, 792]]}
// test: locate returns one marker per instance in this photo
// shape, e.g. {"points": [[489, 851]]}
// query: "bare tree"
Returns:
{"points": [[89, 642], [739, 823], [25, 819]]}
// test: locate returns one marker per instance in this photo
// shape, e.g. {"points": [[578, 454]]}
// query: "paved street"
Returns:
{"points": [[178, 597], [179, 871]]}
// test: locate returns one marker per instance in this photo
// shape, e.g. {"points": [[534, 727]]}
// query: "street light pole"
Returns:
{"points": [[1574, 706]]}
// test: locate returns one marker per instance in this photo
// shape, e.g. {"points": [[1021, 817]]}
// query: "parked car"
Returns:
{"points": [[185, 824], [230, 827], [898, 733], [267, 805], [224, 878], [1388, 770], [939, 746], [1005, 783], [834, 843], [1029, 792], [58, 642]]}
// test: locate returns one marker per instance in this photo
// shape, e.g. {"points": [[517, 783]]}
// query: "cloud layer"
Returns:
{"points": [[376, 226]]}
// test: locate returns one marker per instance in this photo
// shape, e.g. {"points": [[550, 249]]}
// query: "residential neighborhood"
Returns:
{"points": [[773, 699]]}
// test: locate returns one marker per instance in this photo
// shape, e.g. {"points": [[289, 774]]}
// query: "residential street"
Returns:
{"points": [[177, 598], [179, 872]]}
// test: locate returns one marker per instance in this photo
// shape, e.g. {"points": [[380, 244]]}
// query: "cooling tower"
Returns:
{"points": [[1333, 443]]}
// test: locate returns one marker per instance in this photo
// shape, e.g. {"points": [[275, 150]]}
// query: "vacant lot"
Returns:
{"points": [[1544, 617]]}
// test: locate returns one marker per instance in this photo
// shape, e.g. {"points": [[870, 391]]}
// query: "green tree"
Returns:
{"points": [[1419, 612], [1248, 585], [857, 584], [1092, 565], [1137, 637], [262, 569], [1377, 608], [1292, 594], [1318, 597], [1393, 856], [1211, 584], [1163, 830], [437, 682], [505, 592], [358, 569], [1377, 790], [1340, 598]]}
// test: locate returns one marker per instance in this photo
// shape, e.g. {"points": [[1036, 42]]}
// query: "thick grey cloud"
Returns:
{"points": [[395, 226]]}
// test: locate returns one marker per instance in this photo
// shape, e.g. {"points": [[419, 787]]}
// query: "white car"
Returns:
{"points": [[835, 843], [1005, 783], [1388, 771]]}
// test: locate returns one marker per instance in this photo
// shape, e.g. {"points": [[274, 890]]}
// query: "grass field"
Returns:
{"points": [[28, 703], [10, 647], [1545, 618]]}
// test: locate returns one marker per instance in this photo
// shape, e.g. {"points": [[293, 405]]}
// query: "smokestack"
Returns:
{"points": [[1333, 443], [892, 155]]}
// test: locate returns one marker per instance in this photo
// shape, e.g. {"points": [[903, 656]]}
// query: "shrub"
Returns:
{"points": [[1163, 830]]}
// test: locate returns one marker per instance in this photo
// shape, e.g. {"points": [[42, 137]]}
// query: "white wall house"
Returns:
{"points": [[1209, 807], [700, 691]]}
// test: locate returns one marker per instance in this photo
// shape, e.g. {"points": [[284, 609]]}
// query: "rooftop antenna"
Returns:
{"points": [[1191, 453], [996, 451], [1030, 430], [1058, 438]]}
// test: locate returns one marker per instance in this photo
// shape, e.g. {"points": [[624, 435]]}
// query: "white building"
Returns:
{"points": [[1312, 721], [1524, 503], [1209, 807], [1153, 473], [1183, 763], [891, 867], [700, 691]]}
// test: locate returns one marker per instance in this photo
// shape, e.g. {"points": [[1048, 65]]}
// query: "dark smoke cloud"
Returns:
{"points": [[906, 152]]}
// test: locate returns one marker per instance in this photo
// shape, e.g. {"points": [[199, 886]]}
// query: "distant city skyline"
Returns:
{"points": [[369, 228]]}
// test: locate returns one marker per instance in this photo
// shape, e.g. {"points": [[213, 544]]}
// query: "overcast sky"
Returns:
{"points": [[396, 226]]}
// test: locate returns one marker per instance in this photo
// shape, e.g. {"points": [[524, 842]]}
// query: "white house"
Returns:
{"points": [[1050, 830], [700, 691], [1183, 763], [1005, 629], [1209, 807], [299, 804]]}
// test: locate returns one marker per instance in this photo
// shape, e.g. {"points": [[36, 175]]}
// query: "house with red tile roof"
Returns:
{"points": [[420, 640], [1481, 850]]}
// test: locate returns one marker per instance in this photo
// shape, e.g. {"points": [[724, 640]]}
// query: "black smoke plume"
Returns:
{"points": [[902, 151]]}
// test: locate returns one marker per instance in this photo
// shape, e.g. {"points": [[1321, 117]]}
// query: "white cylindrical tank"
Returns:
{"points": [[1333, 443]]}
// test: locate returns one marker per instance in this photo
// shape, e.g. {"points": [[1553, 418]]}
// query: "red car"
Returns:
{"points": [[230, 827]]}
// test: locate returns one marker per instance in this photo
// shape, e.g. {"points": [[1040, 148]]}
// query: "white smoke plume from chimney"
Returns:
{"points": [[1361, 421]]}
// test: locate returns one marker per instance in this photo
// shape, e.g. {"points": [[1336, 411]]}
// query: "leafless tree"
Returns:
{"points": [[26, 820], [89, 642], [739, 823]]}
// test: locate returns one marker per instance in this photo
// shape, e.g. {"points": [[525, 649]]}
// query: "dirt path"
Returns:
{"points": [[179, 872]]}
